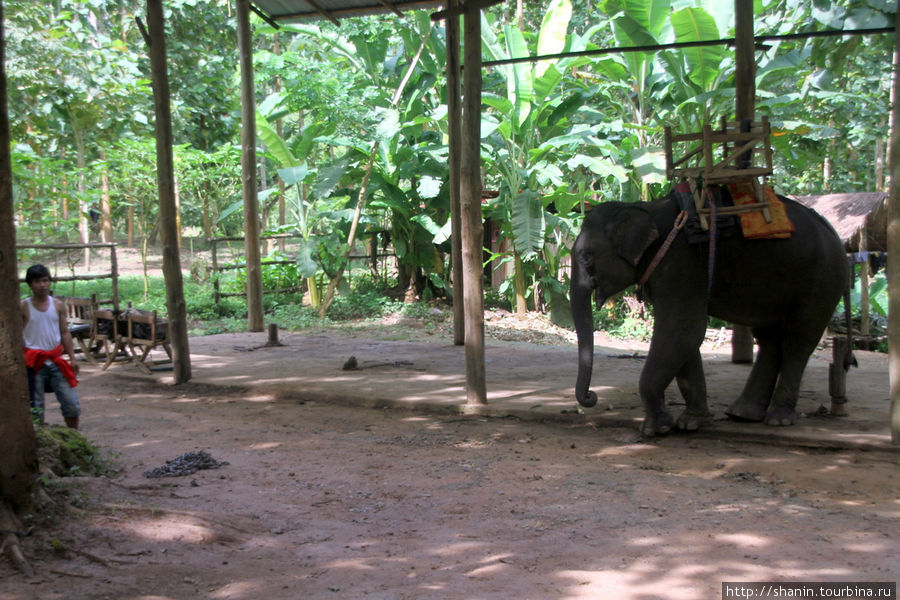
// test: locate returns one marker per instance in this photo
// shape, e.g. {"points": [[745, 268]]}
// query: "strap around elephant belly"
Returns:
{"points": [[680, 220]]}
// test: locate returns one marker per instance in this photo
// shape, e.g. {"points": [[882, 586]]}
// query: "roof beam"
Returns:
{"points": [[322, 11], [463, 8], [264, 16], [390, 6]]}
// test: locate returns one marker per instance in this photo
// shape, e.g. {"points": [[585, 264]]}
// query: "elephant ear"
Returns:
{"points": [[633, 231]]}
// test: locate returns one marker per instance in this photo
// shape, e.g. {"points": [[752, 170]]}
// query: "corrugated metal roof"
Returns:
{"points": [[296, 10]]}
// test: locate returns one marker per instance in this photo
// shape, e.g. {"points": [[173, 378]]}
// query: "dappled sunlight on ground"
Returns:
{"points": [[327, 497]]}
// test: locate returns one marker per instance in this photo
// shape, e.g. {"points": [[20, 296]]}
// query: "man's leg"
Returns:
{"points": [[66, 395], [38, 383]]}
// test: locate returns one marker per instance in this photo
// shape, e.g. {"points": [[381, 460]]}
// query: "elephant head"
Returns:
{"points": [[614, 238]]}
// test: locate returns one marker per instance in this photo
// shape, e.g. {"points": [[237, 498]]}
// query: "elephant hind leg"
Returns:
{"points": [[754, 400], [692, 385], [783, 408]]}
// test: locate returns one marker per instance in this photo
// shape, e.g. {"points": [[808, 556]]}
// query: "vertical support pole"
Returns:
{"points": [[745, 100], [454, 116], [893, 243], [864, 287], [470, 201], [165, 174], [248, 169], [114, 270], [837, 377]]}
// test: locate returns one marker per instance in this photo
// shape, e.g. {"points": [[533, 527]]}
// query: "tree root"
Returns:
{"points": [[10, 530]]}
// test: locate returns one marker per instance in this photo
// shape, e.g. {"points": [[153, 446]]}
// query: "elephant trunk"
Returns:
{"points": [[580, 291]]}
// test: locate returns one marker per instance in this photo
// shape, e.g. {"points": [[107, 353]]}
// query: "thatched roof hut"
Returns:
{"points": [[853, 214]]}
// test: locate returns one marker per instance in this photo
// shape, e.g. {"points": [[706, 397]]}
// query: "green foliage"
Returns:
{"points": [[556, 135], [878, 295], [625, 317], [65, 452]]}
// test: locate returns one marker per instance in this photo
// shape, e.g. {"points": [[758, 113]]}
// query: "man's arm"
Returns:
{"points": [[65, 335]]}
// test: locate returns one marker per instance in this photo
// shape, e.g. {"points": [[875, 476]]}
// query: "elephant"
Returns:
{"points": [[785, 290]]}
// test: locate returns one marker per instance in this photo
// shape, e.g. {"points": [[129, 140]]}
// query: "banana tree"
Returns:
{"points": [[538, 139], [295, 172], [680, 87]]}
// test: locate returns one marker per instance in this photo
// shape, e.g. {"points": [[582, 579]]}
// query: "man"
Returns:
{"points": [[46, 338]]}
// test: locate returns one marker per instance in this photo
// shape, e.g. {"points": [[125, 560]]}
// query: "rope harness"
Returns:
{"points": [[680, 220]]}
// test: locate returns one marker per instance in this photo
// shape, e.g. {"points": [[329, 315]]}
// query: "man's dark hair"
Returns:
{"points": [[36, 272]]}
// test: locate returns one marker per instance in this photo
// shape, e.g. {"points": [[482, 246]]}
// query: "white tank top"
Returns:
{"points": [[42, 329]]}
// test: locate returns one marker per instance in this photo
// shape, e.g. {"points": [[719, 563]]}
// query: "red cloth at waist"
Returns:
{"points": [[35, 359]]}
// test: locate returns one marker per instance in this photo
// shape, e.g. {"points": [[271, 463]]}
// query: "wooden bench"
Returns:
{"points": [[80, 317], [144, 331]]}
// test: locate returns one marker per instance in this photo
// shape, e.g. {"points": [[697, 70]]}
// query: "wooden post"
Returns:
{"points": [[837, 377], [165, 176], [114, 272], [745, 100], [273, 335], [864, 288], [248, 170], [454, 116], [470, 201], [893, 243]]}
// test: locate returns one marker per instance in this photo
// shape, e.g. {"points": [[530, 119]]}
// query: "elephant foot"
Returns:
{"points": [[692, 421], [659, 423], [746, 410], [781, 416]]}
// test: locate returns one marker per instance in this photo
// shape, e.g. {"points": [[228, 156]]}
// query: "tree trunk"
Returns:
{"points": [[106, 228], [19, 466], [519, 284], [879, 165], [177, 194], [175, 305], [81, 161], [207, 224], [279, 128]]}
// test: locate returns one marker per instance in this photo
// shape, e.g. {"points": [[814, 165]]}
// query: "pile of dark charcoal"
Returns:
{"points": [[186, 464]]}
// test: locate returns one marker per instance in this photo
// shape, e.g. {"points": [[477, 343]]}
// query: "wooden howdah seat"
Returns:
{"points": [[735, 152]]}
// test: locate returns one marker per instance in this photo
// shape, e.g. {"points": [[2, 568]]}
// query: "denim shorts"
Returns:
{"points": [[50, 376]]}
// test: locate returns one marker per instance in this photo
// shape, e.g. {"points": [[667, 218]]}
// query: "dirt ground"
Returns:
{"points": [[365, 484], [323, 498]]}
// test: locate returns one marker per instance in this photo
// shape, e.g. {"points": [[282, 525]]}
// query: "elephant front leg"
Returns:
{"points": [[692, 385], [674, 351], [658, 372]]}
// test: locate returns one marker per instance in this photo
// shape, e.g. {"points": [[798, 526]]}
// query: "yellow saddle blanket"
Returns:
{"points": [[753, 222]]}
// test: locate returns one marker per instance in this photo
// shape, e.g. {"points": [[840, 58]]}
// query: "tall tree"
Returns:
{"points": [[18, 469]]}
